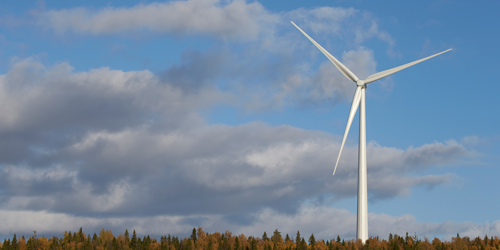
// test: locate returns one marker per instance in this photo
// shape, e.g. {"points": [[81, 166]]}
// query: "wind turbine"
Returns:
{"points": [[359, 98]]}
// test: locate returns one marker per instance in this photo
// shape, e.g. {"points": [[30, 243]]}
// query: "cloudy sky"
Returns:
{"points": [[164, 116]]}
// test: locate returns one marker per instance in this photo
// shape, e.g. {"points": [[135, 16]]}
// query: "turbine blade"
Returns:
{"points": [[351, 76], [354, 107], [388, 72]]}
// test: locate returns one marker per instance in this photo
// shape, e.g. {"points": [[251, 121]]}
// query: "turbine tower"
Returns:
{"points": [[359, 98]]}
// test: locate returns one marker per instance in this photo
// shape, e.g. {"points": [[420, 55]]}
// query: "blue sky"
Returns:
{"points": [[164, 116]]}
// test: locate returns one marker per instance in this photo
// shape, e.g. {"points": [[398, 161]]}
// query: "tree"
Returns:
{"points": [[338, 238], [302, 245], [127, 237], [254, 244], [14, 245], [200, 233], [81, 236], [312, 240], [193, 235], [264, 236], [297, 238], [287, 238], [276, 238], [133, 241], [236, 243], [114, 244]]}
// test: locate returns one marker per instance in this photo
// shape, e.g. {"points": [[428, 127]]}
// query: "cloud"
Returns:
{"points": [[274, 66], [235, 19], [309, 219], [112, 143]]}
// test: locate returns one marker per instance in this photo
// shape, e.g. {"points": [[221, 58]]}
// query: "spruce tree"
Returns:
{"points": [[236, 243], [254, 244], [133, 241], [193, 235], [287, 238], [312, 240], [303, 245], [127, 237], [14, 245], [114, 244], [297, 238], [264, 236], [276, 238]]}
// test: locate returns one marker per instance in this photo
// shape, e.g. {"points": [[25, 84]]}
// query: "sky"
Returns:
{"points": [[163, 116]]}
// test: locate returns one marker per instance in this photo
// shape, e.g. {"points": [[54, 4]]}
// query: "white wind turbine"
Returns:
{"points": [[359, 97]]}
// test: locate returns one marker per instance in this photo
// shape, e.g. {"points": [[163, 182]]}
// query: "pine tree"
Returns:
{"points": [[14, 245], [114, 244], [287, 238], [236, 243], [254, 244], [81, 238], [312, 240], [193, 235], [338, 238], [6, 244], [297, 238], [276, 238], [302, 244], [133, 242], [264, 236], [127, 237]]}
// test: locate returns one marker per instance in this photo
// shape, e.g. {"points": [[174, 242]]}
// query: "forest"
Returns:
{"points": [[199, 240]]}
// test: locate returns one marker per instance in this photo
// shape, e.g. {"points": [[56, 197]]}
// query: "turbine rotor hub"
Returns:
{"points": [[361, 83]]}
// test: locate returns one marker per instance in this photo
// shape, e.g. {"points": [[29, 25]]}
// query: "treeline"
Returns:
{"points": [[199, 240]]}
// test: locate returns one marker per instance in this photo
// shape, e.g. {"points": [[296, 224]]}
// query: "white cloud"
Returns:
{"points": [[309, 219], [235, 19]]}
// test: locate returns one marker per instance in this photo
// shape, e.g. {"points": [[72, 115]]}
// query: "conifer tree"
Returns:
{"points": [[114, 244], [312, 240], [297, 238], [133, 241], [127, 237], [14, 245], [254, 244], [276, 238], [236, 243], [264, 236], [302, 244], [193, 235]]}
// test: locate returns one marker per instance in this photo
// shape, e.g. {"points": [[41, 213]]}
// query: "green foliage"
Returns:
{"points": [[297, 238], [312, 240], [264, 236], [193, 235], [276, 238], [204, 241]]}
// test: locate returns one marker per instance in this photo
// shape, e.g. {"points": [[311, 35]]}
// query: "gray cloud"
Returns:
{"points": [[273, 62], [308, 219], [135, 145]]}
